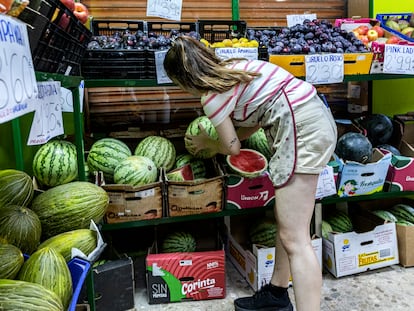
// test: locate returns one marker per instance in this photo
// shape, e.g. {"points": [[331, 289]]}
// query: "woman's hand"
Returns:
{"points": [[199, 142]]}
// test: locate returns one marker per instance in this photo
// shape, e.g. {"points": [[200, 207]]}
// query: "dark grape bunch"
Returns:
{"points": [[316, 36], [138, 40]]}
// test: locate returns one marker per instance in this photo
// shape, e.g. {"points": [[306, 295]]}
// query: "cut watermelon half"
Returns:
{"points": [[181, 174], [248, 163]]}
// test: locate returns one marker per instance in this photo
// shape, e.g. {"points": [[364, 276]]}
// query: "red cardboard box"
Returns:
{"points": [[176, 277], [400, 175]]}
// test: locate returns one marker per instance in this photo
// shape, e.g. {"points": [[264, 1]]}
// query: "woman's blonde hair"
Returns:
{"points": [[193, 66]]}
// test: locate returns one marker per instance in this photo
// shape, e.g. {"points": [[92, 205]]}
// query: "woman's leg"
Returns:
{"points": [[294, 210]]}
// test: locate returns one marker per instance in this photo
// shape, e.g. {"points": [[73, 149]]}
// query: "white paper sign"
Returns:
{"points": [[399, 59], [326, 183], [324, 68], [293, 20], [225, 53], [17, 76], [47, 121], [161, 74], [66, 98], [169, 9]]}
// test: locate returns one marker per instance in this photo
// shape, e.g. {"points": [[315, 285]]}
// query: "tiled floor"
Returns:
{"points": [[385, 289]]}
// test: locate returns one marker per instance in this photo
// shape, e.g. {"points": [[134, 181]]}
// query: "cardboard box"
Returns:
{"points": [[113, 283], [196, 196], [244, 192], [176, 277], [354, 63], [358, 179], [405, 237], [129, 203], [400, 175], [352, 252]]}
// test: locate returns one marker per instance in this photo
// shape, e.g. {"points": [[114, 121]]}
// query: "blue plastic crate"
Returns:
{"points": [[79, 269], [382, 18]]}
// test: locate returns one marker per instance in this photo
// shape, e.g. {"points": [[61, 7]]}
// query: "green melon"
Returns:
{"points": [[16, 188], [21, 227], [136, 171], [258, 142], [193, 129], [11, 260], [159, 149], [55, 163], [179, 241], [197, 165], [340, 222], [263, 232]]}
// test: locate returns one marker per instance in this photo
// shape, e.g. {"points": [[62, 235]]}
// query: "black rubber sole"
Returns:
{"points": [[287, 308]]}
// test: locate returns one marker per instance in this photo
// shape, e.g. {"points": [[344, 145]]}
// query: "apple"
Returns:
{"points": [[392, 40], [372, 35], [70, 4], [81, 12], [379, 30], [5, 5], [64, 21], [362, 30], [364, 39]]}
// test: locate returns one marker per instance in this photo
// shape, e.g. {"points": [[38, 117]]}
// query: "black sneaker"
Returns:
{"points": [[263, 300]]}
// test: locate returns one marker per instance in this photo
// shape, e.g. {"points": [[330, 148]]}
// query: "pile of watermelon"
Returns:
{"points": [[45, 228]]}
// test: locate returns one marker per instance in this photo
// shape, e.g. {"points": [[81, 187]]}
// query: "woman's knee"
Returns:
{"points": [[292, 241]]}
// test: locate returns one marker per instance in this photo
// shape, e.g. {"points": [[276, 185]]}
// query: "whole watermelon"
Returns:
{"points": [[159, 149], [16, 187], [258, 141], [197, 165], [47, 267], [379, 128], [353, 146], [70, 206], [55, 163], [21, 227], [193, 129], [136, 171], [179, 241], [105, 154]]}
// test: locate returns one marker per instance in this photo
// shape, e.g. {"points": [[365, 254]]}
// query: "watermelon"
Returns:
{"points": [[353, 146], [403, 212], [198, 167], [159, 149], [379, 128], [389, 148], [136, 171], [326, 228], [105, 154], [55, 163], [263, 233], [48, 268], [179, 241], [70, 206], [21, 295], [84, 240], [11, 260], [340, 222], [180, 174], [193, 129], [16, 188], [248, 163], [21, 227], [385, 215], [258, 142]]}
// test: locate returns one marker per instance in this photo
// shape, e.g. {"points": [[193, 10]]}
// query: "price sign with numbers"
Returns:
{"points": [[169, 9], [324, 68], [292, 20], [47, 121], [17, 76], [248, 53], [161, 74], [399, 59]]}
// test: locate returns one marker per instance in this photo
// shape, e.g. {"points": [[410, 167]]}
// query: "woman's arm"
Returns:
{"points": [[245, 132]]}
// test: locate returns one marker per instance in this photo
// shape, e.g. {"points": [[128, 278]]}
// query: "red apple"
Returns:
{"points": [[70, 4], [362, 30], [392, 40], [364, 39], [81, 12], [379, 30], [372, 35]]}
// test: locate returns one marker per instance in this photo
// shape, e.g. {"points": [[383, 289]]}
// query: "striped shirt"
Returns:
{"points": [[244, 99]]}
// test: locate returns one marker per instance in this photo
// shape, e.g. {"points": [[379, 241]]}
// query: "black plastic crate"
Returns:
{"points": [[58, 40], [218, 30], [171, 28], [111, 27]]}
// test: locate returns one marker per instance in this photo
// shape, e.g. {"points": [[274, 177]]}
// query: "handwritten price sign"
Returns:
{"points": [[159, 65], [17, 76], [295, 19], [399, 59], [169, 9], [324, 68], [47, 121]]}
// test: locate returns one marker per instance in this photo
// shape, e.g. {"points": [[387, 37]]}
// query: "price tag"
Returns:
{"points": [[159, 66], [326, 183], [324, 68], [399, 59], [169, 9], [47, 121], [293, 20], [66, 98], [248, 53], [17, 76]]}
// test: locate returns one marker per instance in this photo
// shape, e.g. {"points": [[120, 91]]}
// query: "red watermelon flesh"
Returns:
{"points": [[248, 163], [181, 174]]}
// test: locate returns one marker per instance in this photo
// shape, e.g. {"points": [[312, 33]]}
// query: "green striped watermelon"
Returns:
{"points": [[21, 227], [197, 165], [48, 267], [16, 187], [258, 142], [180, 241], [263, 232], [193, 129], [55, 163], [105, 154], [136, 171], [70, 206], [326, 228], [159, 149], [403, 212], [385, 215], [340, 222]]}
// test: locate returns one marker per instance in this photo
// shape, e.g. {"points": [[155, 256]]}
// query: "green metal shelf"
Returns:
{"points": [[374, 196]]}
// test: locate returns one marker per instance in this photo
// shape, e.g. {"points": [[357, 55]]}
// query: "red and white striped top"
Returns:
{"points": [[244, 99]]}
